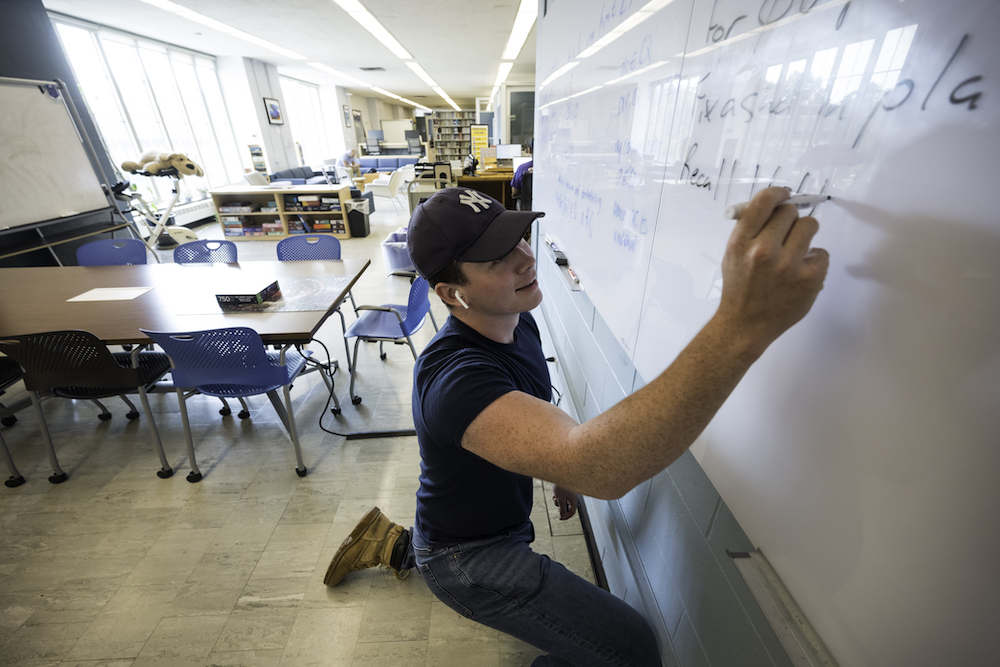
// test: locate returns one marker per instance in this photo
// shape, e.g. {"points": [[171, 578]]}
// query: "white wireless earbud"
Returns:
{"points": [[461, 300]]}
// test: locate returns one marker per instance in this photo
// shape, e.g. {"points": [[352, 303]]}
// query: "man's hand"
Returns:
{"points": [[771, 275], [566, 501], [770, 279]]}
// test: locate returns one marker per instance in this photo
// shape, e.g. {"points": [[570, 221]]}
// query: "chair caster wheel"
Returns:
{"points": [[336, 411], [243, 414], [356, 400], [301, 473], [104, 416], [194, 477], [225, 411], [132, 415], [59, 479], [9, 421], [382, 356], [164, 473], [13, 482]]}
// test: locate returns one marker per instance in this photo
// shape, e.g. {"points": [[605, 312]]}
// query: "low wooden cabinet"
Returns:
{"points": [[273, 213]]}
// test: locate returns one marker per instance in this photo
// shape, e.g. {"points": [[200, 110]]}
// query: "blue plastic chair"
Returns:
{"points": [[10, 372], [316, 247], [389, 323], [111, 252], [308, 247], [204, 251], [231, 363], [76, 364]]}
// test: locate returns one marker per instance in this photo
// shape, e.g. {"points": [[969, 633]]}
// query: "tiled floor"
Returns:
{"points": [[117, 567]]}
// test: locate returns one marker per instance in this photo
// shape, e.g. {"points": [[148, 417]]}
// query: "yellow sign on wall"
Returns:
{"points": [[480, 140]]}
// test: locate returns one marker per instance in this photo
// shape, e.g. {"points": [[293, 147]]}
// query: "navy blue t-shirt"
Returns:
{"points": [[462, 496]]}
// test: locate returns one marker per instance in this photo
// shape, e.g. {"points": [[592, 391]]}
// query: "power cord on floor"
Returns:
{"points": [[329, 368]]}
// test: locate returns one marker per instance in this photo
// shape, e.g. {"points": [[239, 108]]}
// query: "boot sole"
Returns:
{"points": [[366, 521]]}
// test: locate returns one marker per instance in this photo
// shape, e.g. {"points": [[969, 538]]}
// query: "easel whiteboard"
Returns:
{"points": [[44, 170], [860, 453]]}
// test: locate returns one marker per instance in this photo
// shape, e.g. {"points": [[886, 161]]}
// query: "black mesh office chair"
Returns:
{"points": [[524, 196], [10, 373], [76, 364]]}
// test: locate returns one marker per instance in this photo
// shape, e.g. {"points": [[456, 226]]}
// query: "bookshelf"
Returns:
{"points": [[453, 134], [273, 213]]}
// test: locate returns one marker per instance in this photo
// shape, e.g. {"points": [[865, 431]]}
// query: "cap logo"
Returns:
{"points": [[474, 200]]}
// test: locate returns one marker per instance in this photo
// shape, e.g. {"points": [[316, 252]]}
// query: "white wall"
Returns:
{"points": [[279, 147], [333, 99]]}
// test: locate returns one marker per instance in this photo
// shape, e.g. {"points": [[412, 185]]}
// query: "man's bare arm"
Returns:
{"points": [[770, 279]]}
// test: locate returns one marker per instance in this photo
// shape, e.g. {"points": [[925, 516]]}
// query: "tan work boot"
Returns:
{"points": [[369, 544]]}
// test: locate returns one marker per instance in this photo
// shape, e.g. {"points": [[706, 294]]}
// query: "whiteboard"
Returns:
{"points": [[44, 170], [395, 130], [860, 454]]}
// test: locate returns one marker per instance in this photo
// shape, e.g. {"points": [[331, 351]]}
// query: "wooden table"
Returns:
{"points": [[496, 184], [34, 299]]}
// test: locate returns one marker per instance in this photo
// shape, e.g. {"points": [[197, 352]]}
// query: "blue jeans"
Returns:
{"points": [[502, 583]]}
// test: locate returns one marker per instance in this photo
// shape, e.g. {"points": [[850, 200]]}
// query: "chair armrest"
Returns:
{"points": [[384, 309]]}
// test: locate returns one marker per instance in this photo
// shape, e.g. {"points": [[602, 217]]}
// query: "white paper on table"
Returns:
{"points": [[111, 294]]}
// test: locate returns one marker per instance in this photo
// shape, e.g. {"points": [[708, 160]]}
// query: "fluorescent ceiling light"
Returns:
{"points": [[419, 71], [412, 103], [502, 73], [430, 82], [362, 84], [526, 15], [330, 70], [386, 92], [640, 15], [637, 72], [186, 13], [452, 103], [394, 96], [584, 92], [559, 72], [371, 24]]}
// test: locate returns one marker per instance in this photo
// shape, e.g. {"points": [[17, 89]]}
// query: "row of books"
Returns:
{"points": [[234, 225], [244, 226], [311, 203], [306, 225], [254, 228], [237, 207]]}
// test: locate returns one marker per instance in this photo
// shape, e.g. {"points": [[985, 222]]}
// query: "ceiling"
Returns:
{"points": [[457, 42]]}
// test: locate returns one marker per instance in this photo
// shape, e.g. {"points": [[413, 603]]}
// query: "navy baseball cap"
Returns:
{"points": [[465, 225]]}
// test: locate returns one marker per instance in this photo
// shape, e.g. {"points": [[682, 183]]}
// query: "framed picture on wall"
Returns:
{"points": [[347, 116], [273, 110]]}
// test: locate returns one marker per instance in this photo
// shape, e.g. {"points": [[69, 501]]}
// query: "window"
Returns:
{"points": [[522, 117], [147, 96], [305, 118], [892, 56]]}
